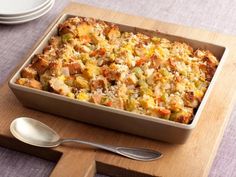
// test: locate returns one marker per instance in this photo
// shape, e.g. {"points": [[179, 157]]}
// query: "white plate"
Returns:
{"points": [[20, 7], [28, 15], [33, 17]]}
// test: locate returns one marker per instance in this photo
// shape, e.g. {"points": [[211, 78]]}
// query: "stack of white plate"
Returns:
{"points": [[21, 11]]}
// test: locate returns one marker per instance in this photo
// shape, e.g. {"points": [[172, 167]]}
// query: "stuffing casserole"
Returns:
{"points": [[91, 60]]}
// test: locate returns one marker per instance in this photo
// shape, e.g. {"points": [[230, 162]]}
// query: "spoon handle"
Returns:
{"points": [[133, 153]]}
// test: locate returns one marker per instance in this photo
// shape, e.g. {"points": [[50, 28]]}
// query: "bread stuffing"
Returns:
{"points": [[94, 61]]}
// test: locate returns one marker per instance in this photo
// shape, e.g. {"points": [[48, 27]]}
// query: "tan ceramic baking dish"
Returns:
{"points": [[124, 121]]}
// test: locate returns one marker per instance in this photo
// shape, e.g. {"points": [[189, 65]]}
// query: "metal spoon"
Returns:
{"points": [[36, 133]]}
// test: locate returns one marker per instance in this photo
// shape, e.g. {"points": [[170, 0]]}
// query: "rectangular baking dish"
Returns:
{"points": [[137, 124]]}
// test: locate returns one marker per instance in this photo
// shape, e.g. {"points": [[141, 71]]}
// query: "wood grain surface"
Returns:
{"points": [[193, 158]]}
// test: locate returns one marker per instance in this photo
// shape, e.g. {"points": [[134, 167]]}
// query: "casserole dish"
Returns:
{"points": [[134, 123]]}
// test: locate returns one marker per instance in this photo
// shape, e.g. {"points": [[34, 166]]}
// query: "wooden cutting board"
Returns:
{"points": [[193, 158]]}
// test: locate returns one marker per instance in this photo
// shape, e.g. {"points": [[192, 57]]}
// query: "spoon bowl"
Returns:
{"points": [[36, 133]]}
